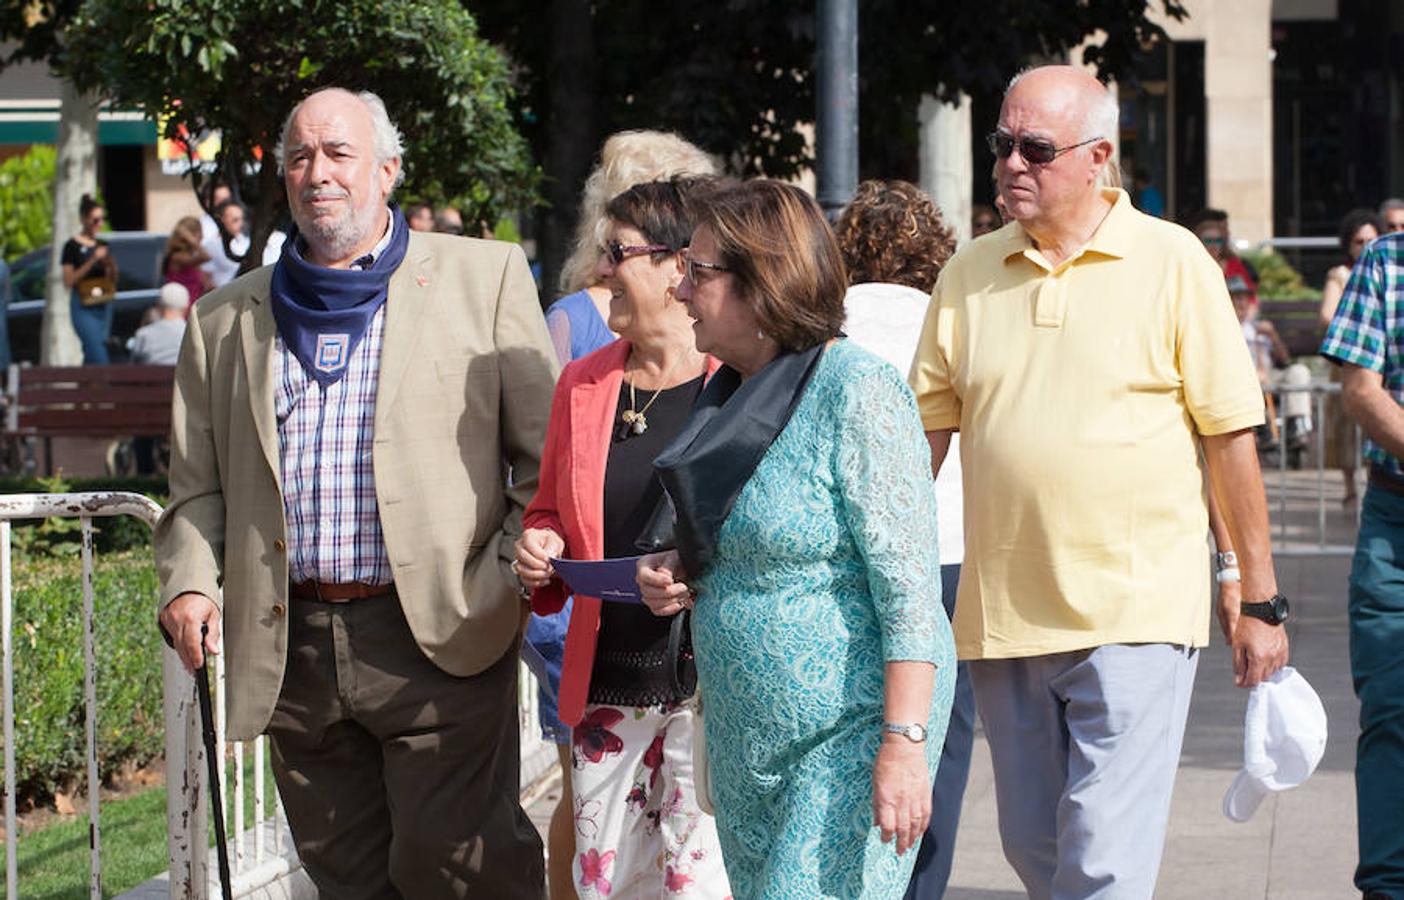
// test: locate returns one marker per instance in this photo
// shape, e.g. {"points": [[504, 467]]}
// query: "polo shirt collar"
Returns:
{"points": [[1111, 238]]}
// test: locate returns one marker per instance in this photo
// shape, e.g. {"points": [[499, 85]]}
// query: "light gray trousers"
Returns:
{"points": [[1085, 746]]}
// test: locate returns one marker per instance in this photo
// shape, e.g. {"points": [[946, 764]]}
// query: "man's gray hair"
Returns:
{"points": [[1391, 204], [1103, 114], [388, 142]]}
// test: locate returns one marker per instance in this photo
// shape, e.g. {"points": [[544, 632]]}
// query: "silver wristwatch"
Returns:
{"points": [[915, 732]]}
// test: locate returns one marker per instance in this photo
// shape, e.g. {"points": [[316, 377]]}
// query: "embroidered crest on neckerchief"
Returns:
{"points": [[332, 351]]}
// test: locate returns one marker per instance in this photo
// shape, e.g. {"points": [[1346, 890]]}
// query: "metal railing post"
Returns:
{"points": [[1319, 410], [7, 615], [90, 715], [186, 809]]}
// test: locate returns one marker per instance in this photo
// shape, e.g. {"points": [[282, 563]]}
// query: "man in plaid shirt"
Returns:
{"points": [[1366, 338]]}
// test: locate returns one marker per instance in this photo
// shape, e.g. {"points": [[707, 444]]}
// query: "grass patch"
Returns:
{"points": [[53, 859]]}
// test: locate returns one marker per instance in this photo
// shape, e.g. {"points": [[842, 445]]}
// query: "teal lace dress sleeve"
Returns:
{"points": [[826, 569], [884, 475]]}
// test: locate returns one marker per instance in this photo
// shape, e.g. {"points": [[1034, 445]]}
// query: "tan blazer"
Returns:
{"points": [[466, 376]]}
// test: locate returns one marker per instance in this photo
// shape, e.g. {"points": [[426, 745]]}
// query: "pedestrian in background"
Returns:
{"points": [[1358, 228], [1087, 354], [90, 274], [158, 344], [420, 216], [1365, 340], [807, 551], [1392, 215], [894, 243], [182, 261]]}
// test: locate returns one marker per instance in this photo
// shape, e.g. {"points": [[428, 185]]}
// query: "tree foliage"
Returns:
{"points": [[239, 66], [736, 77], [26, 201]]}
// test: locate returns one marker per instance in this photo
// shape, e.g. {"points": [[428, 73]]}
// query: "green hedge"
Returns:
{"points": [[48, 640]]}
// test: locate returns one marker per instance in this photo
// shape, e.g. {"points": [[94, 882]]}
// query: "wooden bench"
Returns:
{"points": [[112, 402], [1297, 323]]}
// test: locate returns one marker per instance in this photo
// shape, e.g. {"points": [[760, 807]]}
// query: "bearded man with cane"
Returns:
{"points": [[346, 425]]}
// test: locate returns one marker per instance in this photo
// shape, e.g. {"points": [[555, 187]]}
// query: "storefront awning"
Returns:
{"points": [[32, 125]]}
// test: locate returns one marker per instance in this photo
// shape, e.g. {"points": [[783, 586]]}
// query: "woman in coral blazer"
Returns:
{"points": [[628, 676]]}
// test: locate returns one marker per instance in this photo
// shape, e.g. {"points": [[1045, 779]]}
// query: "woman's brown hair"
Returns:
{"points": [[893, 233], [183, 246], [774, 239]]}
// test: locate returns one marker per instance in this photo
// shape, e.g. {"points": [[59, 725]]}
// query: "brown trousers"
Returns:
{"points": [[399, 779]]}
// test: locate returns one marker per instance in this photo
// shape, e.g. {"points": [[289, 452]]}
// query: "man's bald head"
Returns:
{"points": [[1084, 98], [1056, 127], [389, 144]]}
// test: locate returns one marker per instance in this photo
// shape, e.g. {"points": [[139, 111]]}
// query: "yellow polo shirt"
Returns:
{"points": [[1079, 391]]}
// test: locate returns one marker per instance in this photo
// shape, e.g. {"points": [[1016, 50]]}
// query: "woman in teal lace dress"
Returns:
{"points": [[806, 533]]}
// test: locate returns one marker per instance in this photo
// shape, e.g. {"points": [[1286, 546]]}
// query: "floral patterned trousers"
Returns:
{"points": [[638, 830]]}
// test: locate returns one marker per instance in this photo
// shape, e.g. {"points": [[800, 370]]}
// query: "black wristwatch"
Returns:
{"points": [[1273, 611]]}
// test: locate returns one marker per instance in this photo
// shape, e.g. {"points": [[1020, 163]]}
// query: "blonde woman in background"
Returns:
{"points": [[577, 323]]}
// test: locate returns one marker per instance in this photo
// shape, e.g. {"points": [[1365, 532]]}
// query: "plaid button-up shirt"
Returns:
{"points": [[1368, 328], [325, 439]]}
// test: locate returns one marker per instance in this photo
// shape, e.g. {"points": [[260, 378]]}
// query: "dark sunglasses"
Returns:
{"points": [[690, 266], [618, 252], [1032, 150]]}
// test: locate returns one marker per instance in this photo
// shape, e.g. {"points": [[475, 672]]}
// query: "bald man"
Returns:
{"points": [[342, 424], [1089, 354]]}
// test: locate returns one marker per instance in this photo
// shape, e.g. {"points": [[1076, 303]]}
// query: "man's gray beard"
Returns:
{"points": [[336, 240]]}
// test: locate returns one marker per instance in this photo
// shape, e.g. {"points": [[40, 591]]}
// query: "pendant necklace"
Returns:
{"points": [[634, 420]]}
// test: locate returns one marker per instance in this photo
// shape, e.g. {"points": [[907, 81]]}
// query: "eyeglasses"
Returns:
{"points": [[618, 252], [690, 266], [1034, 151]]}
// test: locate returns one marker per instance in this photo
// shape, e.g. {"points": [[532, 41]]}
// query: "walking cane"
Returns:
{"points": [[207, 729]]}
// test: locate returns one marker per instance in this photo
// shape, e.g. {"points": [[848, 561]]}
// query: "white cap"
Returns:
{"points": [[1284, 735], [173, 296]]}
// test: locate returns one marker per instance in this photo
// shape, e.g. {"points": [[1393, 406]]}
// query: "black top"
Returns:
{"points": [[76, 254], [633, 666]]}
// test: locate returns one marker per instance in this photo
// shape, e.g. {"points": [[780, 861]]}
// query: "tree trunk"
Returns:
{"points": [[572, 137], [75, 174], [263, 215]]}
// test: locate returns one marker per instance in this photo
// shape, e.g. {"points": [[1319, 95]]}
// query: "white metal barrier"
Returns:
{"points": [[1295, 518], [84, 507], [260, 851]]}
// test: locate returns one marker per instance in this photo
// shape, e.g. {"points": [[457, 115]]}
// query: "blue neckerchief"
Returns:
{"points": [[323, 313]]}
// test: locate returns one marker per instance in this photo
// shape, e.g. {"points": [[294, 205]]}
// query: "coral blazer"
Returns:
{"points": [[570, 500]]}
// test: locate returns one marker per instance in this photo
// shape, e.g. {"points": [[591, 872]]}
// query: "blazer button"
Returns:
{"points": [[279, 544], [278, 610]]}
